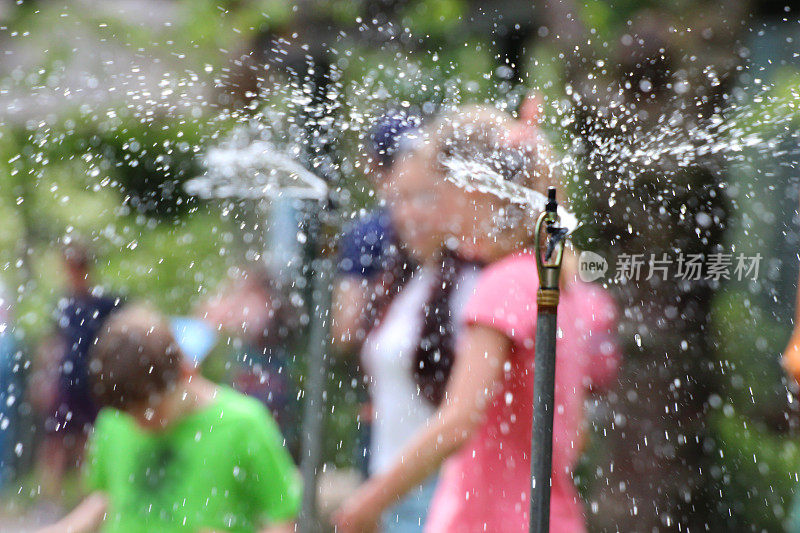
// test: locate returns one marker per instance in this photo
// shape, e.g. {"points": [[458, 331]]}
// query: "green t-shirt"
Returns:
{"points": [[222, 467]]}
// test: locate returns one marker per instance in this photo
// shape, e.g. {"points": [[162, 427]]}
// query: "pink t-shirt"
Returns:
{"points": [[485, 486]]}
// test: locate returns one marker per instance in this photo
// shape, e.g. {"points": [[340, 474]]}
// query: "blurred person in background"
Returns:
{"points": [[372, 265], [370, 256], [256, 313], [408, 354], [483, 428], [11, 391], [79, 316], [172, 451]]}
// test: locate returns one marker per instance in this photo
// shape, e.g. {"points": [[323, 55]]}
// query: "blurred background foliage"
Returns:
{"points": [[163, 81]]}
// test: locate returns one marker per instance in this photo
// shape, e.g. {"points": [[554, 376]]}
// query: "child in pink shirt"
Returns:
{"points": [[483, 427], [485, 486]]}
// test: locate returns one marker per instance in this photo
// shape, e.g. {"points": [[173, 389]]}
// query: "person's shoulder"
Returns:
{"points": [[505, 297], [366, 244], [376, 222], [377, 217], [67, 305], [508, 283], [246, 420], [104, 298], [111, 423], [515, 271], [239, 409]]}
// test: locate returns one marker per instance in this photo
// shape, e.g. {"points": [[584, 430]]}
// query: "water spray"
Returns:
{"points": [[548, 263], [257, 170]]}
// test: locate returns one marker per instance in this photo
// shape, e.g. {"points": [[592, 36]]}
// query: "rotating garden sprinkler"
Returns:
{"points": [[257, 170], [548, 263]]}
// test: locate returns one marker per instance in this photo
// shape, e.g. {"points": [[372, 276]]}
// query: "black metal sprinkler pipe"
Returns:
{"points": [[314, 408], [548, 263]]}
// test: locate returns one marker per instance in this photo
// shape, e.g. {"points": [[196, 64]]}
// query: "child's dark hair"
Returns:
{"points": [[435, 353], [134, 357]]}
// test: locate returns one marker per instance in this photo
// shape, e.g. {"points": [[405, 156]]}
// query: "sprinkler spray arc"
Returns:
{"points": [[548, 263], [259, 171]]}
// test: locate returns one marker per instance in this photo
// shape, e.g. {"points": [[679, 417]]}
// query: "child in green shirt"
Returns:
{"points": [[173, 452]]}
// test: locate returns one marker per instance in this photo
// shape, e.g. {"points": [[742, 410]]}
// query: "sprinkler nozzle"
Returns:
{"points": [[548, 257], [552, 204]]}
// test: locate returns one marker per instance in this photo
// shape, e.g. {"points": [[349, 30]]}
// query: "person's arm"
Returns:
{"points": [[351, 299], [791, 356], [477, 371], [287, 527], [86, 517]]}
